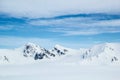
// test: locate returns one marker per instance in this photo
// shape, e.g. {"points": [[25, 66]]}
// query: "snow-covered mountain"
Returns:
{"points": [[107, 53], [103, 54], [37, 52]]}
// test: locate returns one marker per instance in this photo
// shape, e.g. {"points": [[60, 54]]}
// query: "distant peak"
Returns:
{"points": [[111, 44], [29, 44], [58, 46], [107, 43]]}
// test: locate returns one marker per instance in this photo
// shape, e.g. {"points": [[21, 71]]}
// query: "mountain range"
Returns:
{"points": [[106, 53]]}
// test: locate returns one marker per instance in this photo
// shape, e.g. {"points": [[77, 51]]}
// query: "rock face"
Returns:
{"points": [[59, 50], [35, 51]]}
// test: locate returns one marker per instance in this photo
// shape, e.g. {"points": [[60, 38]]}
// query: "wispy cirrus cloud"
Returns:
{"points": [[81, 25], [8, 27], [78, 17]]}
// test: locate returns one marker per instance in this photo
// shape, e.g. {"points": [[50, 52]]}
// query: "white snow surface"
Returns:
{"points": [[100, 62], [55, 71]]}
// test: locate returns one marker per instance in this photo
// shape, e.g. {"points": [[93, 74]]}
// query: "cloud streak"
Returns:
{"points": [[81, 25], [50, 8], [5, 28]]}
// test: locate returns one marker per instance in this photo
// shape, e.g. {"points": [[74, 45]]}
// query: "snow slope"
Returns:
{"points": [[103, 54], [56, 71]]}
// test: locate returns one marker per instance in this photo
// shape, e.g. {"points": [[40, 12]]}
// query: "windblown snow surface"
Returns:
{"points": [[100, 62]]}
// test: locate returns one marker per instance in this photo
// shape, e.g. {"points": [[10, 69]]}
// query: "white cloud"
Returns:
{"points": [[76, 22], [80, 26], [68, 22], [49, 8], [107, 23], [8, 27]]}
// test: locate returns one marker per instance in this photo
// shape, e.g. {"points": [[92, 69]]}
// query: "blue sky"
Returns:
{"points": [[76, 24]]}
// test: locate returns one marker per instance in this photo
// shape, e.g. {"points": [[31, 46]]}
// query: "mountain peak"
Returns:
{"points": [[58, 46], [32, 44]]}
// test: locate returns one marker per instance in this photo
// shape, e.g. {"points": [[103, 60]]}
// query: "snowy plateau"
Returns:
{"points": [[33, 62]]}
